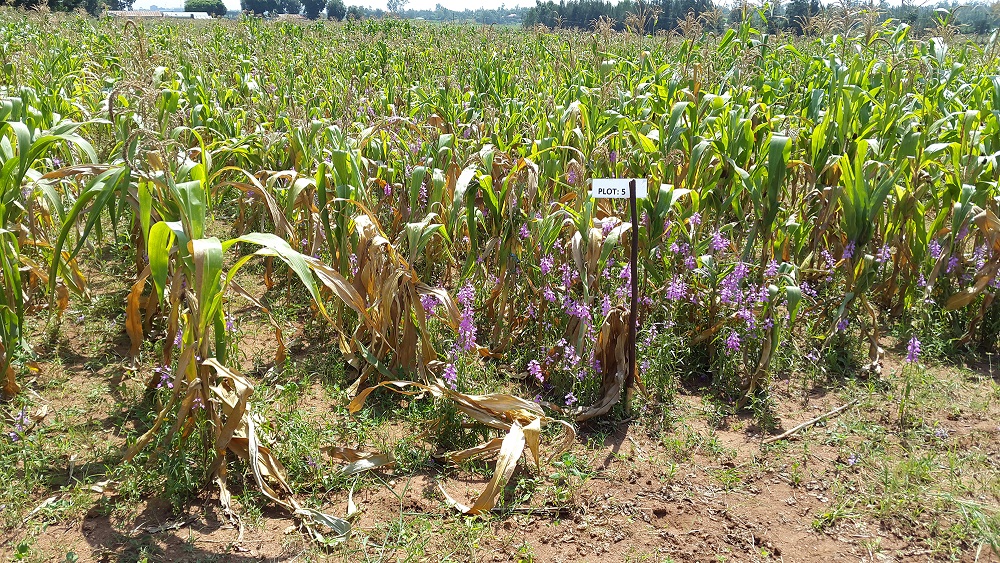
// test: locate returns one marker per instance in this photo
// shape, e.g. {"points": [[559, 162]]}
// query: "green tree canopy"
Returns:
{"points": [[213, 7], [259, 6], [290, 6], [336, 10], [92, 6], [313, 8]]}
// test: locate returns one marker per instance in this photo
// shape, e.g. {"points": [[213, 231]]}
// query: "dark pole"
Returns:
{"points": [[630, 376]]}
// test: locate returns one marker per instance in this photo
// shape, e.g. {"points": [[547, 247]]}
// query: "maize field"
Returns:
{"points": [[405, 207]]}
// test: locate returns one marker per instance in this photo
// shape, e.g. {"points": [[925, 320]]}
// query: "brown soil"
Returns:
{"points": [[635, 507]]}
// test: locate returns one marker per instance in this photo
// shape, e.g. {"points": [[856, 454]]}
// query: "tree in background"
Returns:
{"points": [[396, 6], [798, 13], [213, 7], [289, 7], [313, 8], [336, 10], [259, 6], [120, 4], [355, 13], [93, 7]]}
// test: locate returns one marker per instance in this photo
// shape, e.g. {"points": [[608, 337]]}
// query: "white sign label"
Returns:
{"points": [[617, 188]]}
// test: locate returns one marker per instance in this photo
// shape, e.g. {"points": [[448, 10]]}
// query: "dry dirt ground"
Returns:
{"points": [[678, 482]]}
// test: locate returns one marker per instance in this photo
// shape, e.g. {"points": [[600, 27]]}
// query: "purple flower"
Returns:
{"points": [[913, 349], [952, 264], [525, 232], [676, 290], [164, 372], [941, 432], [740, 271], [548, 294], [813, 356], [177, 338], [466, 295], [695, 219], [20, 425], [572, 176], [570, 399], [730, 292], [569, 355], [577, 309], [771, 270], [535, 369], [466, 332], [651, 335], [467, 325], [719, 241], [842, 324], [884, 254], [626, 274], [963, 232], [979, 256], [605, 306], [690, 262], [848, 251], [429, 302], [733, 341], [807, 290], [613, 156], [828, 258], [763, 295], [852, 460], [197, 403], [546, 264], [450, 375], [608, 225], [387, 189], [569, 275], [934, 247]]}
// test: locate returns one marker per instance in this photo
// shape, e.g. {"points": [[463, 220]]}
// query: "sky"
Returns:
{"points": [[412, 4]]}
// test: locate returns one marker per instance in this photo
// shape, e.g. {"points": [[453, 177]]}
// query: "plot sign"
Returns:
{"points": [[617, 188]]}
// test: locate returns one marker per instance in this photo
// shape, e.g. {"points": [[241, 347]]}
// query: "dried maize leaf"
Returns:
{"points": [[282, 228], [510, 451], [532, 437], [610, 352], [475, 452], [9, 387], [984, 277], [133, 317], [373, 461], [358, 461]]}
